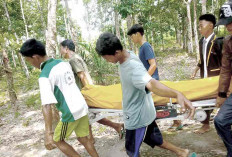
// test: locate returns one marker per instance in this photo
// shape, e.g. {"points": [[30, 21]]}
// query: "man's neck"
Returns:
{"points": [[208, 34], [142, 41], [124, 56], [70, 54]]}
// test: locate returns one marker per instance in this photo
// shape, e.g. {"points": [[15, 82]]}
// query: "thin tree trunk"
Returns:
{"points": [[66, 28], [203, 2], [71, 27], [13, 58], [10, 80], [117, 25], [51, 29], [190, 40], [129, 25], [24, 20], [195, 29], [41, 16], [17, 40]]}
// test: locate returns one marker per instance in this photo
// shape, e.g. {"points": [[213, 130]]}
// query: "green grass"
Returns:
{"points": [[33, 101]]}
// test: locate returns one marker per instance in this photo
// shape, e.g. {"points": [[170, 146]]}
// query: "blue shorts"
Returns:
{"points": [[150, 135]]}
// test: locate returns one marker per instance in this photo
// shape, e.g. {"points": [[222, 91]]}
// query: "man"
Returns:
{"points": [[146, 53], [83, 78], [138, 108], [223, 120], [210, 57], [147, 56], [57, 86]]}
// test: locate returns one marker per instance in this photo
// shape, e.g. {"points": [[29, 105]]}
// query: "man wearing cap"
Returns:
{"points": [[223, 120], [210, 57]]}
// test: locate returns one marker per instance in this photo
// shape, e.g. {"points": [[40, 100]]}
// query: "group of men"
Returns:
{"points": [[60, 84]]}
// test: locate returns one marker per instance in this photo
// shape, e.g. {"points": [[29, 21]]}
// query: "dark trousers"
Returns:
{"points": [[223, 122]]}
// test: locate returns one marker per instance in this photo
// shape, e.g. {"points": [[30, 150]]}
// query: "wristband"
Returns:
{"points": [[222, 94]]}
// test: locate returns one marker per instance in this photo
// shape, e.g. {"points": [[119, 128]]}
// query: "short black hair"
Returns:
{"points": [[69, 43], [32, 47], [136, 28], [208, 17], [108, 44]]}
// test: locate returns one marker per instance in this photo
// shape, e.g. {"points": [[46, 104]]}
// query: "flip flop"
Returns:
{"points": [[176, 128], [193, 154], [122, 132]]}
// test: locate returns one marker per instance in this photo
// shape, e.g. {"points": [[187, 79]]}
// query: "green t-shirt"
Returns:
{"points": [[138, 105], [78, 65]]}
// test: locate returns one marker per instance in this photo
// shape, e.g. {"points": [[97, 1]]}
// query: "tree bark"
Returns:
{"points": [[51, 29], [24, 20], [129, 25], [190, 40], [41, 16], [10, 80], [117, 25], [21, 60], [203, 2], [195, 29], [71, 27]]}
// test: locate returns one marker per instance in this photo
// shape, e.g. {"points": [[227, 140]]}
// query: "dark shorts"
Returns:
{"points": [[150, 135]]}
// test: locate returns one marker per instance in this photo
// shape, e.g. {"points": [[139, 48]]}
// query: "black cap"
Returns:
{"points": [[225, 16]]}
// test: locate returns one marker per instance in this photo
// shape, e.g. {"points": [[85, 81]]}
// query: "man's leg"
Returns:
{"points": [[91, 138], [223, 122], [85, 141], [66, 149], [179, 151], [205, 124], [116, 126]]}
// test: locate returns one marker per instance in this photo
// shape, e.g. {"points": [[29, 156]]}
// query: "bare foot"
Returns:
{"points": [[205, 128], [183, 153]]}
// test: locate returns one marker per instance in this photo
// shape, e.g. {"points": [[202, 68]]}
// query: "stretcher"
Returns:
{"points": [[201, 92]]}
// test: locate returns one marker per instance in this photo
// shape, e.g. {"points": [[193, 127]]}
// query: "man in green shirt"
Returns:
{"points": [[80, 70]]}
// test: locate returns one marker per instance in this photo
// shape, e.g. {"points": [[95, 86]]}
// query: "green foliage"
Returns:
{"points": [[33, 101], [22, 84], [102, 72]]}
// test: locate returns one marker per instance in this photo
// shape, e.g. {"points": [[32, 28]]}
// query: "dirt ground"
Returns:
{"points": [[24, 136]]}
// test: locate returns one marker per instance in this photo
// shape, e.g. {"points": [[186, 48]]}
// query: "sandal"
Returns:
{"points": [[175, 128], [122, 132]]}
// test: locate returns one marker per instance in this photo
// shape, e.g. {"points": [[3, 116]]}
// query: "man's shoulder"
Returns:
{"points": [[49, 66]]}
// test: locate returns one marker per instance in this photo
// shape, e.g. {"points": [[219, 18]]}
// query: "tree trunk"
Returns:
{"points": [[13, 58], [24, 20], [195, 29], [71, 27], [129, 25], [51, 29], [22, 62], [190, 40], [66, 28], [117, 25], [10, 80], [203, 2], [41, 16]]}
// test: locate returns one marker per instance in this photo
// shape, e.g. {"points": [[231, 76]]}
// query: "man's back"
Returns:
{"points": [[145, 53], [138, 107]]}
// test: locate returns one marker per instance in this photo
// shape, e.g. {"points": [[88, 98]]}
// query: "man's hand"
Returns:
{"points": [[49, 143], [220, 101], [186, 105]]}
